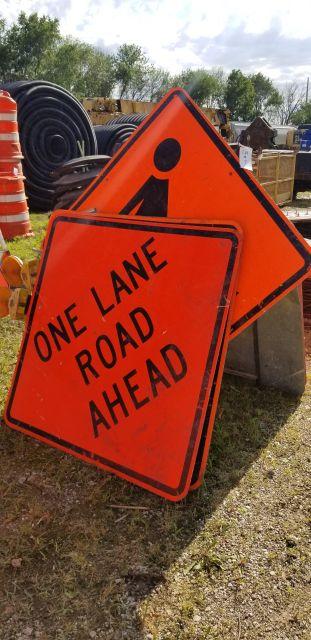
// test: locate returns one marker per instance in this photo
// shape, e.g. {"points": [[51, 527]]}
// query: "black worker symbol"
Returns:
{"points": [[153, 195]]}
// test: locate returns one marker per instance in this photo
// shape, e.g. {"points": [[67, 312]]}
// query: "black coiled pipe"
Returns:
{"points": [[53, 128], [128, 118], [110, 138]]}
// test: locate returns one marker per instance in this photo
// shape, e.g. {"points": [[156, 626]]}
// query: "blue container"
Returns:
{"points": [[305, 137]]}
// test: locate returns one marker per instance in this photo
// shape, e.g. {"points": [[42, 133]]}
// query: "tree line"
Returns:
{"points": [[34, 48]]}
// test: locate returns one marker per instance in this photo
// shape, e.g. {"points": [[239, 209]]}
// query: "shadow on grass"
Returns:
{"points": [[90, 547]]}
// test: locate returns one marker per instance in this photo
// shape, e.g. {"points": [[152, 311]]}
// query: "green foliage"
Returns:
{"points": [[135, 77], [158, 82], [266, 95], [130, 64], [218, 97], [202, 85], [3, 48], [80, 68], [303, 115], [240, 96], [24, 45], [33, 48]]}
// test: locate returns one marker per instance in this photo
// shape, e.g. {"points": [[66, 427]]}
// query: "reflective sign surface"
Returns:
{"points": [[122, 342], [176, 165]]}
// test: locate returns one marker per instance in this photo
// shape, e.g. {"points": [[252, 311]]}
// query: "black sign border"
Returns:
{"points": [[198, 419], [247, 179]]}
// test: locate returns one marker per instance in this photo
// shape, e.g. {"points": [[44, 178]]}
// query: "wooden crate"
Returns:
{"points": [[275, 170], [143, 107], [131, 106], [106, 105]]}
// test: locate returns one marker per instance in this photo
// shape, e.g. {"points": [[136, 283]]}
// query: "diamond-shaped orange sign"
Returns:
{"points": [[176, 165]]}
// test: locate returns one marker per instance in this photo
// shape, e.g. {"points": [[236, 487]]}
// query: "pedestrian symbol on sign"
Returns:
{"points": [[152, 198]]}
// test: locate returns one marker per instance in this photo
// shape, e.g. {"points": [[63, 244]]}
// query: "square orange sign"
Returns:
{"points": [[122, 342]]}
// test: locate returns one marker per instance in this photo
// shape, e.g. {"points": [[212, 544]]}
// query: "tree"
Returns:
{"points": [[240, 96], [130, 67], [80, 68], [200, 84], [99, 77], [3, 48], [33, 48], [292, 100], [303, 114], [158, 82], [135, 77], [218, 96], [25, 45], [265, 94]]}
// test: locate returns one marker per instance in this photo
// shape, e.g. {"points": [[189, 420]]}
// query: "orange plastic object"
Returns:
{"points": [[29, 273], [122, 357], [3, 282], [9, 137], [14, 214], [18, 304], [177, 165], [11, 270], [5, 293]]}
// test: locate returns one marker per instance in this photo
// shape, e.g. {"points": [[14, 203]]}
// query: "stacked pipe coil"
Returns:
{"points": [[54, 128], [71, 178], [128, 118], [110, 138], [14, 214]]}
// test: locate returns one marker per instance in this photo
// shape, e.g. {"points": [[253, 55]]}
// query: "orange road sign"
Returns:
{"points": [[206, 435], [3, 282], [119, 356], [177, 165]]}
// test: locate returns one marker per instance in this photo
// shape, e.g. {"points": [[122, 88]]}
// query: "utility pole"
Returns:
{"points": [[307, 91]]}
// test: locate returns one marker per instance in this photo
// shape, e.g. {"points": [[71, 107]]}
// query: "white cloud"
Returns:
{"points": [[170, 30]]}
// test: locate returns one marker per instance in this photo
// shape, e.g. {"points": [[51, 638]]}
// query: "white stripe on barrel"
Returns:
{"points": [[9, 136], [13, 197], [16, 217], [8, 117]]}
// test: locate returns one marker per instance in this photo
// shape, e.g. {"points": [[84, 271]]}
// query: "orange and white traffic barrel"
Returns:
{"points": [[14, 214], [9, 137]]}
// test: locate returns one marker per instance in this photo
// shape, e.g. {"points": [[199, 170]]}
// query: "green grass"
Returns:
{"points": [[230, 562], [11, 331], [24, 248]]}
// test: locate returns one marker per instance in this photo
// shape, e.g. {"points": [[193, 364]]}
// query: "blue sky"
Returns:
{"points": [[272, 36]]}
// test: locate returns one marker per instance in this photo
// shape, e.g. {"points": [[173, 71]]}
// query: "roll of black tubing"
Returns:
{"points": [[51, 124], [129, 118], [109, 139]]}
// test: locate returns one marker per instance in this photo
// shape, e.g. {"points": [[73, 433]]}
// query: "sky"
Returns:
{"points": [[271, 36]]}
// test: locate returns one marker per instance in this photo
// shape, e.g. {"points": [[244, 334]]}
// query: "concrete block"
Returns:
{"points": [[271, 351]]}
